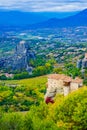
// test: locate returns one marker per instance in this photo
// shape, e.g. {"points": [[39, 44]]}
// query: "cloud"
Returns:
{"points": [[44, 5]]}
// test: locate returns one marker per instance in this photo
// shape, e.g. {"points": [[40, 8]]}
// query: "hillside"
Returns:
{"points": [[66, 113], [20, 95]]}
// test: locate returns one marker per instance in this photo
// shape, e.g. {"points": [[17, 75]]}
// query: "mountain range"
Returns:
{"points": [[17, 18], [35, 20], [79, 19]]}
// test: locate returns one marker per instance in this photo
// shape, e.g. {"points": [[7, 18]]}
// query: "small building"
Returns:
{"points": [[9, 75], [62, 84]]}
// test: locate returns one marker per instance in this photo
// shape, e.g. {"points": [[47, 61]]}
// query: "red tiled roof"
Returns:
{"points": [[60, 77], [65, 78], [77, 80]]}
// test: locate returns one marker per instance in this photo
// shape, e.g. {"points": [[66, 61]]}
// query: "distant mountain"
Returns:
{"points": [[35, 19], [17, 18], [20, 18], [79, 19]]}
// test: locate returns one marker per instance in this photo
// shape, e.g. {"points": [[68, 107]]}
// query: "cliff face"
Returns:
{"points": [[82, 63], [20, 59]]}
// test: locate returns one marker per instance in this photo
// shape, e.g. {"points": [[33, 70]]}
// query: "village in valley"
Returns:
{"points": [[26, 48], [60, 44]]}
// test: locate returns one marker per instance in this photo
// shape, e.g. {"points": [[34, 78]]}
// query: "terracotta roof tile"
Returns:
{"points": [[60, 77], [77, 80], [65, 78]]}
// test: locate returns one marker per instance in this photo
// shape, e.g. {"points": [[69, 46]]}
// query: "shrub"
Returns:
{"points": [[72, 112], [11, 121], [28, 123]]}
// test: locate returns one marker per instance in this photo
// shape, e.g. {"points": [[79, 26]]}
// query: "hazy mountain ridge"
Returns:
{"points": [[79, 19], [18, 18]]}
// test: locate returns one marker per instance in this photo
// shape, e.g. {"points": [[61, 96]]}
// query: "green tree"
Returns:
{"points": [[3, 77], [22, 75], [58, 70], [71, 70]]}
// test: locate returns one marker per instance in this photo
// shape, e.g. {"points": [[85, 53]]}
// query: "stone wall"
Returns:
{"points": [[63, 85], [74, 86], [56, 85], [66, 90]]}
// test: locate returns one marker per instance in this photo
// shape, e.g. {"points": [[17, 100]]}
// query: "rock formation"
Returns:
{"points": [[20, 59], [82, 63]]}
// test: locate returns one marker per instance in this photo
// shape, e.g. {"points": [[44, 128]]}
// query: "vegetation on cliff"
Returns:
{"points": [[66, 113]]}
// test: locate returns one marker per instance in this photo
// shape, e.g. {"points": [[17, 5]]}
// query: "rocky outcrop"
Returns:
{"points": [[20, 60], [82, 64]]}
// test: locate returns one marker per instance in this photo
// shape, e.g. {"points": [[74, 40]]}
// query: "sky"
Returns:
{"points": [[44, 5]]}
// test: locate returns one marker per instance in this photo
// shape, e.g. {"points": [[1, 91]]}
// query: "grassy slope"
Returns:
{"points": [[20, 95], [29, 82]]}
